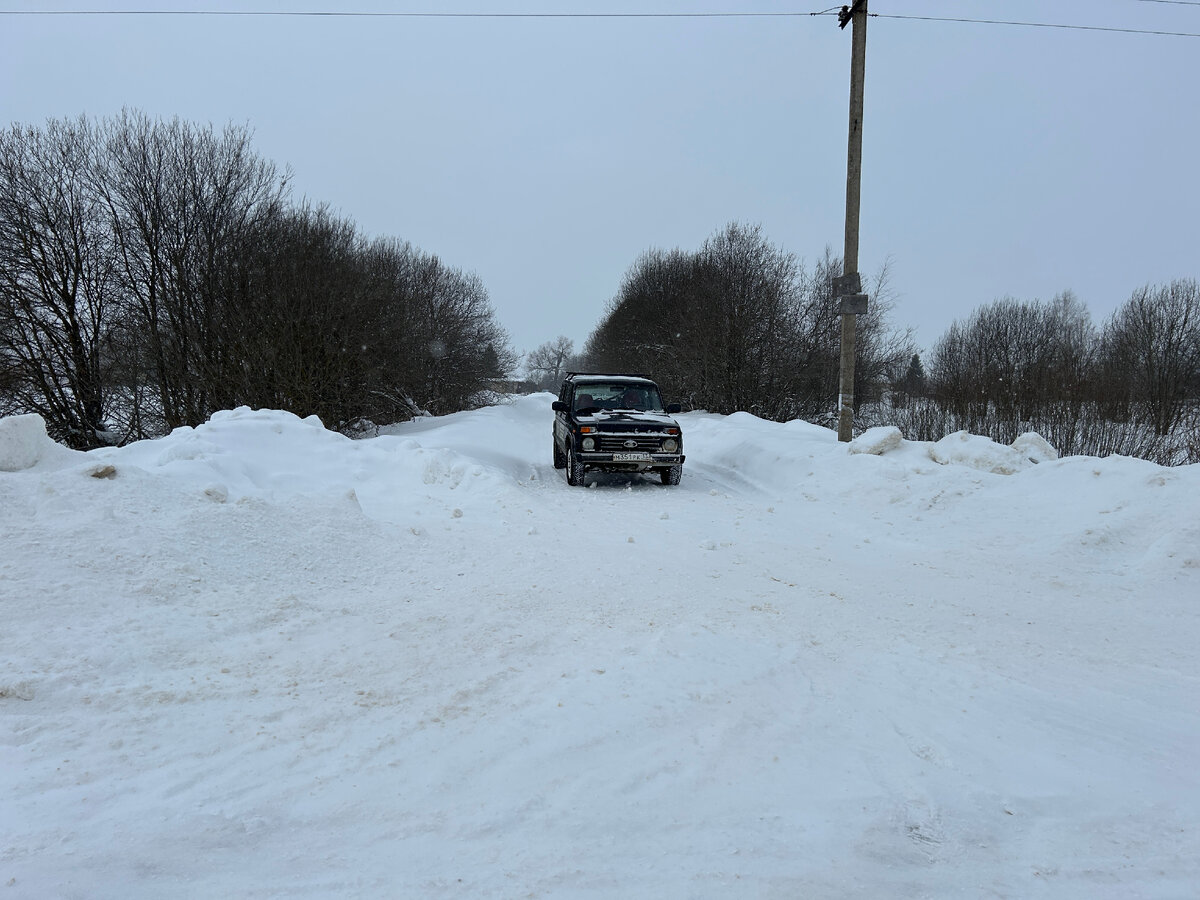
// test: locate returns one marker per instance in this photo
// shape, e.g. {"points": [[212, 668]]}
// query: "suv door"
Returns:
{"points": [[562, 426]]}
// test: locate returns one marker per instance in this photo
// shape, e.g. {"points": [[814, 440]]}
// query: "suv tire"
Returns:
{"points": [[574, 469], [560, 461], [671, 475]]}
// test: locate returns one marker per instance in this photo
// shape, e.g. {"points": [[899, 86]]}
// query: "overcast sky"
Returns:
{"points": [[546, 154]]}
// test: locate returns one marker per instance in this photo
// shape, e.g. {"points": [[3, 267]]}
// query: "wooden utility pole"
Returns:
{"points": [[848, 288]]}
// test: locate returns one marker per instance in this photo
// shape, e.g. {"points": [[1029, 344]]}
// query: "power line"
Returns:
{"points": [[351, 14], [1043, 25], [297, 13]]}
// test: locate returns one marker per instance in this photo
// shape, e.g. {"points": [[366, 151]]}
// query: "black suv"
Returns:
{"points": [[615, 423]]}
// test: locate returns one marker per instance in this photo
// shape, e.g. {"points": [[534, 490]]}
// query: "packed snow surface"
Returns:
{"points": [[259, 659]]}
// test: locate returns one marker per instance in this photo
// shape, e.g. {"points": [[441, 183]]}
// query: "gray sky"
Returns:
{"points": [[546, 154]]}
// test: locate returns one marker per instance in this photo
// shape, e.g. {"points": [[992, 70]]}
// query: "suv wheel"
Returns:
{"points": [[671, 475], [574, 469], [559, 461]]}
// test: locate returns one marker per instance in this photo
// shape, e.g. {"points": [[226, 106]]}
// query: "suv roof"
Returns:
{"points": [[601, 376]]}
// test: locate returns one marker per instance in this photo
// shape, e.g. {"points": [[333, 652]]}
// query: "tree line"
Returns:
{"points": [[742, 324], [153, 272], [1130, 386]]}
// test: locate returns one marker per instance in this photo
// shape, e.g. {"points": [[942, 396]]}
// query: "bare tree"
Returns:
{"points": [[434, 340], [546, 365], [1152, 347], [56, 286], [181, 202], [296, 328]]}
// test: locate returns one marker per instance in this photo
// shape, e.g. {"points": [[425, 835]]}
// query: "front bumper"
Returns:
{"points": [[613, 462]]}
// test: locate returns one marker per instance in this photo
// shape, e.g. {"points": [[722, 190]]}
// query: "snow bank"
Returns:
{"points": [[751, 450], [877, 441], [961, 449], [247, 453], [24, 442], [773, 453], [977, 452], [1035, 448]]}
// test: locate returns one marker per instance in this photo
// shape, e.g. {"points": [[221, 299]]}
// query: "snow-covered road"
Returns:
{"points": [[260, 659]]}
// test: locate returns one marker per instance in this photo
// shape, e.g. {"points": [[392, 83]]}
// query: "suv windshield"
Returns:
{"points": [[617, 395]]}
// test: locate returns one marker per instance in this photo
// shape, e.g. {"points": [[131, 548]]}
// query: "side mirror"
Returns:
{"points": [[559, 406], [673, 408]]}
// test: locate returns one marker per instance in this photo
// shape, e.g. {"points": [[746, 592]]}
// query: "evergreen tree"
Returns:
{"points": [[913, 382]]}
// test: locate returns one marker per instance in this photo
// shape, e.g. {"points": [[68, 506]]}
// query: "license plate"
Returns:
{"points": [[630, 457]]}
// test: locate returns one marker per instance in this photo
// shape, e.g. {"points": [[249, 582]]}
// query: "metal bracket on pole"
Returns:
{"points": [[847, 290], [847, 13], [850, 283], [852, 305]]}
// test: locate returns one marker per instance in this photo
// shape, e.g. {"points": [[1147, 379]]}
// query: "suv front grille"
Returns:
{"points": [[615, 443]]}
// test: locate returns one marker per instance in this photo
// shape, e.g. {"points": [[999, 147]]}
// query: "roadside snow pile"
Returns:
{"points": [[758, 451], [244, 453], [24, 443], [1035, 448], [877, 441], [962, 449], [267, 455], [421, 665], [977, 452]]}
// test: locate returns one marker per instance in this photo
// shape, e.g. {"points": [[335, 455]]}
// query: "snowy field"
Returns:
{"points": [[258, 659]]}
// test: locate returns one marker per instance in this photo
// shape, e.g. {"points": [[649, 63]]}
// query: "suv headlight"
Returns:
{"points": [[670, 445], [589, 443]]}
